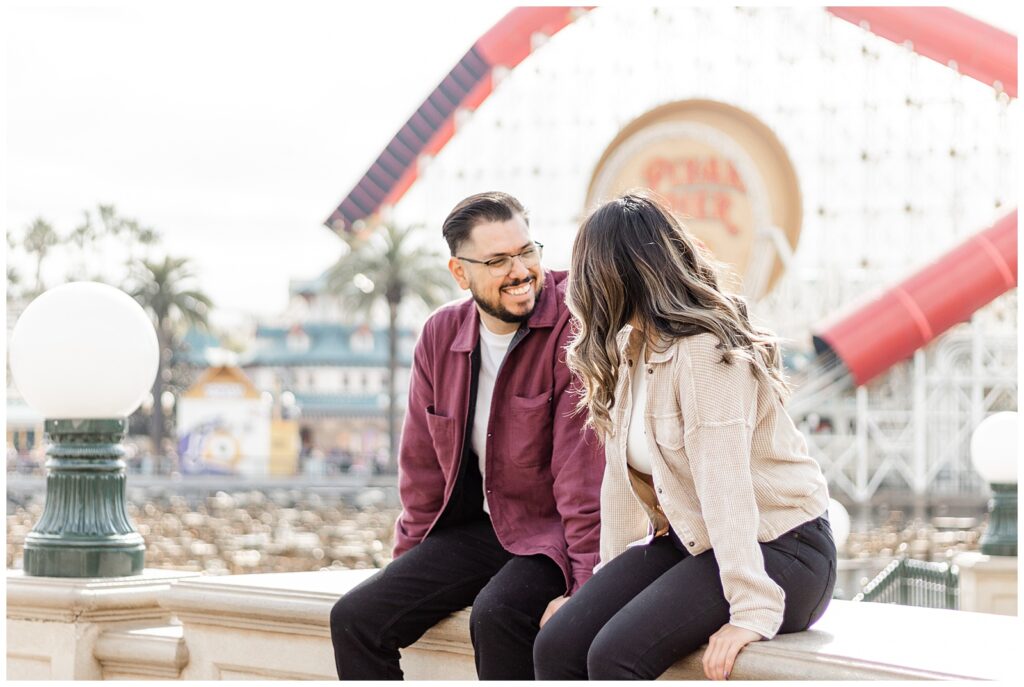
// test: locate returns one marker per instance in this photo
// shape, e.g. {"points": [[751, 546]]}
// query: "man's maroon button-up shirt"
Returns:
{"points": [[543, 470]]}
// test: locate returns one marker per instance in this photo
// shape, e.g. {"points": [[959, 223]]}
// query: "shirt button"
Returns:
{"points": [[630, 363], [650, 370], [659, 490], [692, 543]]}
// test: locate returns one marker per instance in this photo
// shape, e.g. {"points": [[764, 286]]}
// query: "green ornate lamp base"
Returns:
{"points": [[84, 530], [1000, 538]]}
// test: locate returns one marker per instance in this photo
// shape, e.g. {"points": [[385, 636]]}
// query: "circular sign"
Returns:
{"points": [[725, 176]]}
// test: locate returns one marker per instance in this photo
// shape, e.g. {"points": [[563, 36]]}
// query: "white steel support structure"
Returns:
{"points": [[904, 438]]}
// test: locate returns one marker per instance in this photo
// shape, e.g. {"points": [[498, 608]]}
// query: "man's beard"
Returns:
{"points": [[498, 311]]}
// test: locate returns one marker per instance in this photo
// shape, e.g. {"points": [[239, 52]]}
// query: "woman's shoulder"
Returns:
{"points": [[702, 347], [705, 358]]}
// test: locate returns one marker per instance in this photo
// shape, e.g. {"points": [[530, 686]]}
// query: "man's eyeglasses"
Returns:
{"points": [[502, 265]]}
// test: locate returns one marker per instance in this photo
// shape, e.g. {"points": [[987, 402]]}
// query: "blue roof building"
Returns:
{"points": [[333, 370]]}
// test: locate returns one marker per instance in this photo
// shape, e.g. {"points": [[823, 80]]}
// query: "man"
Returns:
{"points": [[498, 480]]}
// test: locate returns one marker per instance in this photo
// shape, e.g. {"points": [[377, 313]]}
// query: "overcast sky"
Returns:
{"points": [[234, 128]]}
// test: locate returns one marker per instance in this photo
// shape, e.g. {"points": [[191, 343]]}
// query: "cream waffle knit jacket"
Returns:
{"points": [[729, 468]]}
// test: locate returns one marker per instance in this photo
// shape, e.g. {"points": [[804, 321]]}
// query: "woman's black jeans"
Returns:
{"points": [[656, 603]]}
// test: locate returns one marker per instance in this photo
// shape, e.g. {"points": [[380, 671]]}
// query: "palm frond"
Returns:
{"points": [[163, 289]]}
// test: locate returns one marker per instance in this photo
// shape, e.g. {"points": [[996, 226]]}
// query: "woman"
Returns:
{"points": [[687, 397]]}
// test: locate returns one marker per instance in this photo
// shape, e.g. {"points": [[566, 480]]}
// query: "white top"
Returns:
{"points": [[493, 348], [638, 455]]}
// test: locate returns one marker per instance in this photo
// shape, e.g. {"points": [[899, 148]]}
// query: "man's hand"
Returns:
{"points": [[555, 604], [723, 647]]}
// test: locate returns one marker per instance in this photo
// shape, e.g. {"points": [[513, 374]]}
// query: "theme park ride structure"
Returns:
{"points": [[851, 352], [974, 48]]}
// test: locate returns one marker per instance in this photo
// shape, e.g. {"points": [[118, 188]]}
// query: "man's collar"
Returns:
{"points": [[545, 313], [469, 331]]}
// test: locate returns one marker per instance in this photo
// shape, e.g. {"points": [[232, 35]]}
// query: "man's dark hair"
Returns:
{"points": [[492, 206]]}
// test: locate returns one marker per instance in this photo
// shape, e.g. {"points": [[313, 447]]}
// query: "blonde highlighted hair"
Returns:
{"points": [[633, 261]]}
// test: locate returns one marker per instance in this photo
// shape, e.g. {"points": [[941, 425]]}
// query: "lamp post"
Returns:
{"points": [[84, 355], [994, 455]]}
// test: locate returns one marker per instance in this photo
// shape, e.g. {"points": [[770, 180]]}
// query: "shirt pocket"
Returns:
{"points": [[442, 436], [668, 431], [529, 430]]}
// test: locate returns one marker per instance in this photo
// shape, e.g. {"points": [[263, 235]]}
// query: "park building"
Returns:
{"points": [[337, 378]]}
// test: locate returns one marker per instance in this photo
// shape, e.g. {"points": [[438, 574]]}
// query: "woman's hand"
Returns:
{"points": [[723, 648], [555, 604]]}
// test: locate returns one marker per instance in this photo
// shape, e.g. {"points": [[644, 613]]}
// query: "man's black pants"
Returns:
{"points": [[451, 569], [655, 603]]}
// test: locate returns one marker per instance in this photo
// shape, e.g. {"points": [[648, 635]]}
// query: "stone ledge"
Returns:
{"points": [[151, 653], [98, 600], [873, 641], [298, 603], [854, 641]]}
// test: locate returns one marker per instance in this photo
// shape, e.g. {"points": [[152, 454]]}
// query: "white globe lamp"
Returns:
{"points": [[839, 519], [994, 455], [84, 355], [84, 350]]}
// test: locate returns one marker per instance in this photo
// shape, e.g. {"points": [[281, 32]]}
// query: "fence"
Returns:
{"points": [[910, 582]]}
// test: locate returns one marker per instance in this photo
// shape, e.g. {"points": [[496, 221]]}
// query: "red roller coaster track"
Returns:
{"points": [[467, 85]]}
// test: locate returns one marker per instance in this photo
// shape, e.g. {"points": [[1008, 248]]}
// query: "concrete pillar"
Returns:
{"points": [[988, 584]]}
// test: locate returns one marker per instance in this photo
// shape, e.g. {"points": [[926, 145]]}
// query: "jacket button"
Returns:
{"points": [[630, 363], [489, 436]]}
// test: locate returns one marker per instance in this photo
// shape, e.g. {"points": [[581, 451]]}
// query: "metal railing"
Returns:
{"points": [[910, 582]]}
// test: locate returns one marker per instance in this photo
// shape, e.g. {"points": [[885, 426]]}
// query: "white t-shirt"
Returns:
{"points": [[637, 452], [493, 348]]}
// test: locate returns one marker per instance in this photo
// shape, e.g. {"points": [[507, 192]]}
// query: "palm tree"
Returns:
{"points": [[128, 232], [162, 289], [105, 227], [13, 281], [82, 238], [387, 267], [40, 237]]}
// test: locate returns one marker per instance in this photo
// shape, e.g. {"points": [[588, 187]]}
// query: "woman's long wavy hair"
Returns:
{"points": [[632, 259]]}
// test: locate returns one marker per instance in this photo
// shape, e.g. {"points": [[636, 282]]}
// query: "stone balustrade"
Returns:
{"points": [[142, 653], [275, 626], [67, 628]]}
